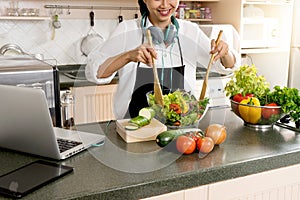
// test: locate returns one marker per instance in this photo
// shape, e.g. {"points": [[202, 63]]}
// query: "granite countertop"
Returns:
{"points": [[117, 170]]}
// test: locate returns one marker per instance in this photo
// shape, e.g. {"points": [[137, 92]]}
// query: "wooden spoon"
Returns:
{"points": [[204, 86], [157, 89]]}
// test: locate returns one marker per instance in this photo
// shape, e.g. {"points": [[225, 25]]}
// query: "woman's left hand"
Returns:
{"points": [[220, 50]]}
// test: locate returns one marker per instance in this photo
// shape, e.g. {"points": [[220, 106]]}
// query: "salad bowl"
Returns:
{"points": [[181, 109]]}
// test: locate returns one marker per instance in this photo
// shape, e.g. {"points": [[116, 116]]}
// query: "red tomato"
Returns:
{"points": [[205, 145], [268, 112], [239, 97], [177, 123], [175, 107], [195, 136], [185, 144]]}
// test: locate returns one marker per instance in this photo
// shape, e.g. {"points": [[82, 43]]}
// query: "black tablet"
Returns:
{"points": [[24, 180]]}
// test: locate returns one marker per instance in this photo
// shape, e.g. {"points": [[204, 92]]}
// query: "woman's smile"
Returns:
{"points": [[164, 12]]}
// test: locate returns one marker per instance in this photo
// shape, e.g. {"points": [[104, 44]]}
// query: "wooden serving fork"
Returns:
{"points": [[157, 89], [204, 86]]}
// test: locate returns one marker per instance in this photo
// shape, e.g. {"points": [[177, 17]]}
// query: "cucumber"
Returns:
{"points": [[131, 127], [166, 137], [139, 121], [147, 112]]}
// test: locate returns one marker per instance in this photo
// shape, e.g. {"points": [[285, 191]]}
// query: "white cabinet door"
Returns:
{"points": [[179, 195], [279, 184], [197, 193], [294, 79]]}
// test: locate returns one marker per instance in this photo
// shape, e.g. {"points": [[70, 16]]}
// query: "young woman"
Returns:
{"points": [[179, 46]]}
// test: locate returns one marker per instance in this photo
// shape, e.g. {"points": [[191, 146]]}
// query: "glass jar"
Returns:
{"points": [[181, 11], [202, 13], [208, 13], [68, 110], [187, 13]]}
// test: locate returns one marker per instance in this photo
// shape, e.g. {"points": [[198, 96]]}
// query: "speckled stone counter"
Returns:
{"points": [[117, 170]]}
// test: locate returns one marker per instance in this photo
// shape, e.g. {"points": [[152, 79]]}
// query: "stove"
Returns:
{"points": [[287, 123]]}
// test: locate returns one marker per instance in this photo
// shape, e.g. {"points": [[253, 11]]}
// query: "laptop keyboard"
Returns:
{"points": [[65, 145]]}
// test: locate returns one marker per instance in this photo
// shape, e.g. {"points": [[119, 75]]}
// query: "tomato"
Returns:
{"points": [[175, 107], [205, 145], [268, 112], [217, 132], [195, 135], [177, 123], [185, 144], [239, 97]]}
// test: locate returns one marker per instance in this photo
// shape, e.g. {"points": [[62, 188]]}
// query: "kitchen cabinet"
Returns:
{"points": [[274, 184], [265, 33], [94, 103], [241, 13]]}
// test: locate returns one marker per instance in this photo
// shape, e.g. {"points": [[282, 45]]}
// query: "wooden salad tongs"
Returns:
{"points": [[204, 86], [157, 89]]}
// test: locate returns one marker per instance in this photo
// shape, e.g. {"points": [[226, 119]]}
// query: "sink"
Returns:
{"points": [[75, 74], [76, 71]]}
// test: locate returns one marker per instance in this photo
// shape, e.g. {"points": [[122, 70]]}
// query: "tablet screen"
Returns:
{"points": [[30, 177]]}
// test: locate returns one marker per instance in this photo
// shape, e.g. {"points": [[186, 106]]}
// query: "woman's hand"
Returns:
{"points": [[143, 53], [222, 52]]}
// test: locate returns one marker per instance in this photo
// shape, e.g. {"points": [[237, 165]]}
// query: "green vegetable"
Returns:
{"points": [[166, 137], [139, 121], [246, 81], [288, 99], [131, 127], [148, 113]]}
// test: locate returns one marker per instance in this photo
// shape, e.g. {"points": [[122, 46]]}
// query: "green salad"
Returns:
{"points": [[181, 108]]}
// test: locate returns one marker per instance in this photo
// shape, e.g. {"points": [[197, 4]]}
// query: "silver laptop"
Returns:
{"points": [[26, 126]]}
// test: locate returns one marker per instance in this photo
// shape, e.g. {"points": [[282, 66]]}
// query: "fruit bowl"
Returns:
{"points": [[181, 108], [258, 117]]}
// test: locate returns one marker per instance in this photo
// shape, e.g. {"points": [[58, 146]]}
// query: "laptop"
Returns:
{"points": [[26, 126]]}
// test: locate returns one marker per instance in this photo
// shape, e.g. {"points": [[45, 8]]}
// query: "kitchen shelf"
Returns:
{"points": [[201, 1], [24, 18], [199, 20], [266, 3], [263, 50]]}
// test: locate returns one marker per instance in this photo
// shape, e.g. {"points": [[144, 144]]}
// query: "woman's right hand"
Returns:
{"points": [[144, 54]]}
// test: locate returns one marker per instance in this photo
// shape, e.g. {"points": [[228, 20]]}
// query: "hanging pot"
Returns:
{"points": [[92, 39]]}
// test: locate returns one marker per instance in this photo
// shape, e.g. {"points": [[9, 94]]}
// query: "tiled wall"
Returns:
{"points": [[35, 36]]}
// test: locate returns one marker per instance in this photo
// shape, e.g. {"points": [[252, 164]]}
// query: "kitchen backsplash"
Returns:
{"points": [[35, 37]]}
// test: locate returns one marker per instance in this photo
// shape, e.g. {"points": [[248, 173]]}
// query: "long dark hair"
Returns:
{"points": [[143, 8]]}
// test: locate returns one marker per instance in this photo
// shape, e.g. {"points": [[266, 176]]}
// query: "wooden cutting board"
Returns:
{"points": [[145, 133]]}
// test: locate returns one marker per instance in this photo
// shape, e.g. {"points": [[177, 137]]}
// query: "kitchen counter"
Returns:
{"points": [[117, 170], [74, 76]]}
